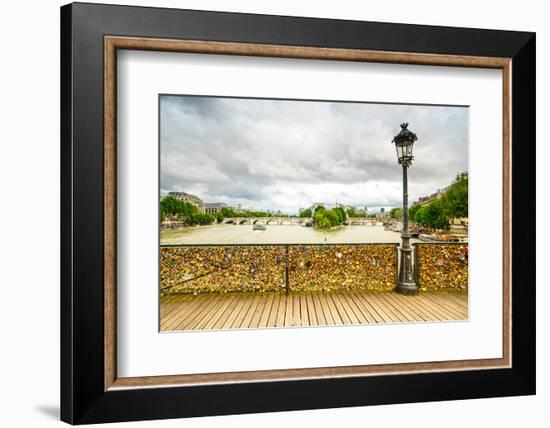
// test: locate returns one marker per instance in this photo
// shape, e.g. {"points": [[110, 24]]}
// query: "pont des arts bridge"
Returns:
{"points": [[206, 287]]}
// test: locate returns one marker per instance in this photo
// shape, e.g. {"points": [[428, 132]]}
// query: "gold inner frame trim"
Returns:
{"points": [[113, 43]]}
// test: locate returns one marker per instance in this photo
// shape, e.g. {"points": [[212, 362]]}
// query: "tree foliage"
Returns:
{"points": [[351, 213], [341, 213], [183, 211], [396, 213], [455, 200], [452, 204], [326, 219], [174, 207], [432, 215], [413, 210], [231, 213], [306, 213]]}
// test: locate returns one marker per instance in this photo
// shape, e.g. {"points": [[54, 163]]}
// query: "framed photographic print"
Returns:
{"points": [[265, 213]]}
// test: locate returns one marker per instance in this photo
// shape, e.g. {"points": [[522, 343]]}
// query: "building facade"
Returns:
{"points": [[192, 199], [214, 207]]}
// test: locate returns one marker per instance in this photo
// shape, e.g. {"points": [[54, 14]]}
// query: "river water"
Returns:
{"points": [[278, 234]]}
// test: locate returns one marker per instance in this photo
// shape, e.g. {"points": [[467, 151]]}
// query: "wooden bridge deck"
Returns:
{"points": [[267, 310]]}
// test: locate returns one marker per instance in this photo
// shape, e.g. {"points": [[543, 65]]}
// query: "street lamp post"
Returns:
{"points": [[404, 142]]}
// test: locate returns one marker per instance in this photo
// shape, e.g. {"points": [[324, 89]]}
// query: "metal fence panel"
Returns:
{"points": [[441, 265], [229, 268]]}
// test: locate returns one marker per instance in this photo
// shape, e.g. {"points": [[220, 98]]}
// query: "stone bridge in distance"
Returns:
{"points": [[298, 221]]}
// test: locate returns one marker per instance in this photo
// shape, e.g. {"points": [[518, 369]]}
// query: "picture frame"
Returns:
{"points": [[91, 35]]}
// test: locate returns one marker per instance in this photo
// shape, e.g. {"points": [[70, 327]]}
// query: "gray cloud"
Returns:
{"points": [[277, 154]]}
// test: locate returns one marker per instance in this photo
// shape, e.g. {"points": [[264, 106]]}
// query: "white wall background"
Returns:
{"points": [[29, 224]]}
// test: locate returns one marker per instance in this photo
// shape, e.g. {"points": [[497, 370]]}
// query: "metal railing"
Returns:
{"points": [[306, 267], [441, 265], [277, 267]]}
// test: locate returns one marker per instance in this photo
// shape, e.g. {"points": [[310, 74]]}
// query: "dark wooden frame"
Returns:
{"points": [[90, 35]]}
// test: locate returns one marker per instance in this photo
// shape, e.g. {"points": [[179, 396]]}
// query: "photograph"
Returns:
{"points": [[278, 213]]}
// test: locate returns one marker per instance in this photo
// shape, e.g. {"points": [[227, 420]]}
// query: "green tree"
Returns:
{"points": [[326, 219], [396, 213], [173, 206], [350, 212], [341, 213], [432, 215], [306, 213], [455, 199], [420, 216], [228, 212], [412, 211]]}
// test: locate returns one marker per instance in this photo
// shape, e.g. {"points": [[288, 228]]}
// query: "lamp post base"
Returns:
{"points": [[406, 283], [407, 289]]}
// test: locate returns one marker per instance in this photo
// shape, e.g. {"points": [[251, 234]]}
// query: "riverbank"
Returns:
{"points": [[224, 234]]}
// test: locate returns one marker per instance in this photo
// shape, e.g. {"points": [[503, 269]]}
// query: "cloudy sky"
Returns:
{"points": [[283, 155]]}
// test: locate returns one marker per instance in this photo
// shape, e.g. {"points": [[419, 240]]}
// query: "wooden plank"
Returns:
{"points": [[407, 302], [439, 306], [333, 309], [217, 316], [166, 304], [435, 308], [347, 308], [452, 309], [206, 312], [281, 311], [234, 318], [304, 311], [365, 310], [272, 319], [341, 311], [455, 306], [181, 303], [319, 314], [221, 300], [289, 311], [459, 296], [401, 317], [247, 319], [209, 305], [326, 309], [259, 312], [362, 319], [197, 316], [296, 314], [316, 312], [461, 300], [398, 308], [428, 312], [182, 313], [361, 297], [414, 311], [181, 322], [382, 310], [219, 324], [173, 303]]}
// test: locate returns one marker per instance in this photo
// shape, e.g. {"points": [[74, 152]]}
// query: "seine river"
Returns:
{"points": [[278, 234]]}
